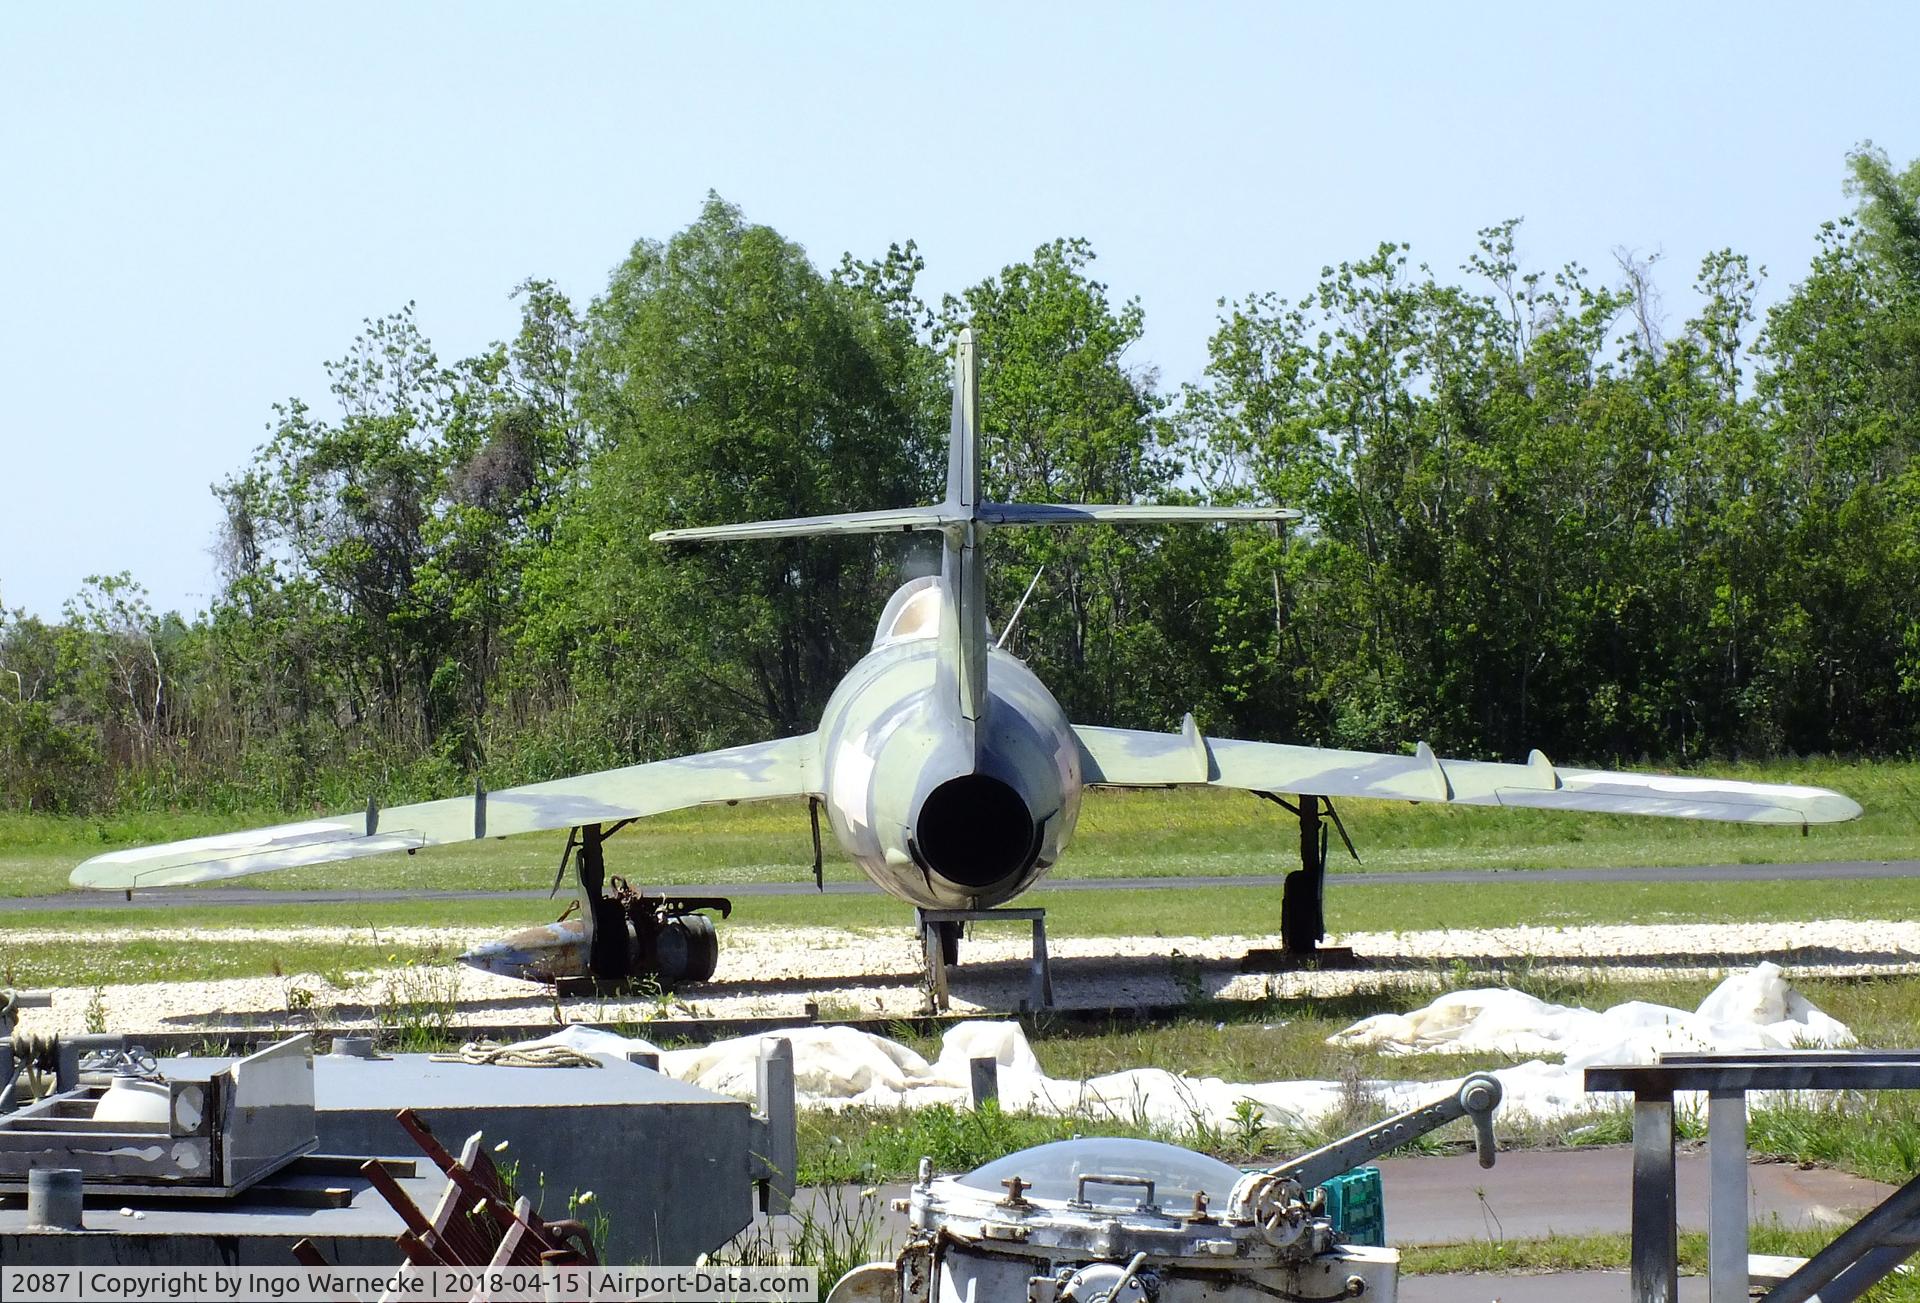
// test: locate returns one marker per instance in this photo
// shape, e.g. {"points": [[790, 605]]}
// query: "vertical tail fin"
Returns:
{"points": [[962, 522], [963, 439], [963, 625]]}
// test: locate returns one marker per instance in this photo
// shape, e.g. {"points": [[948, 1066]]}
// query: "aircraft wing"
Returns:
{"points": [[786, 767], [1120, 757]]}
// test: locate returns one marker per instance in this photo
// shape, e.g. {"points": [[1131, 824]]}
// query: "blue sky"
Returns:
{"points": [[201, 203]]}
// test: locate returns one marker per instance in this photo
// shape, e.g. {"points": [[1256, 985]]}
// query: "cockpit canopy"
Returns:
{"points": [[912, 612]]}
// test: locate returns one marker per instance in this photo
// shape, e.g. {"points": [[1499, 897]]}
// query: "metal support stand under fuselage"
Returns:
{"points": [[938, 926]]}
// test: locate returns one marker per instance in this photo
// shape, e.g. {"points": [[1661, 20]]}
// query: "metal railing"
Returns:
{"points": [[1865, 1253]]}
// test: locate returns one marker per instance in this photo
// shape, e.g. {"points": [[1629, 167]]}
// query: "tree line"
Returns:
{"points": [[1534, 516]]}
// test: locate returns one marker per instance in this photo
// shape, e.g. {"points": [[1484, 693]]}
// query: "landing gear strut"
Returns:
{"points": [[1303, 915], [632, 936], [1303, 919]]}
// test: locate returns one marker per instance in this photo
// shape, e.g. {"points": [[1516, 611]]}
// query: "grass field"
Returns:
{"points": [[1610, 1252], [1121, 834], [1132, 834]]}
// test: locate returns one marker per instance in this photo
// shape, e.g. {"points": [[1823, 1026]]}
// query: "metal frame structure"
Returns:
{"points": [[221, 1133], [1846, 1268], [931, 924]]}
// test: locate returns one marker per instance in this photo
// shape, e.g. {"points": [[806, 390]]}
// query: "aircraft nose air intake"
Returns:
{"points": [[975, 831]]}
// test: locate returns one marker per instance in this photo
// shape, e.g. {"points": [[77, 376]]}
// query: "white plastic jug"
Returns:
{"points": [[130, 1099]]}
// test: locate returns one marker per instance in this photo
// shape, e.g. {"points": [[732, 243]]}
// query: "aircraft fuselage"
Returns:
{"points": [[939, 810]]}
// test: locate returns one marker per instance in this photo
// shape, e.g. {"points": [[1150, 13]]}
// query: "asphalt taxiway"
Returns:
{"points": [[1340, 880]]}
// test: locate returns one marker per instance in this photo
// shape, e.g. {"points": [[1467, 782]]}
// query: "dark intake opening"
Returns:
{"points": [[976, 831]]}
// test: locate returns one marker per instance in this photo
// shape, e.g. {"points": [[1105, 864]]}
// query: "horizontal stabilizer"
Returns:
{"points": [[850, 522], [785, 767], [1120, 513], [986, 513], [1119, 757]]}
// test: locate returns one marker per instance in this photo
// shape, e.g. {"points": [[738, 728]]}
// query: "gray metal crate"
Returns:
{"points": [[224, 1131]]}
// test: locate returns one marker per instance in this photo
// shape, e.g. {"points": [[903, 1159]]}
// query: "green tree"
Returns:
{"points": [[1842, 388], [728, 379], [49, 758], [1119, 627]]}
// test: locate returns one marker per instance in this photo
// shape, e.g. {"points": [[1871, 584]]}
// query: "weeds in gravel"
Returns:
{"points": [[1250, 1132], [836, 1008], [1358, 1107], [1543, 979], [832, 1230], [96, 1013], [1189, 977], [306, 1005], [419, 1007]]}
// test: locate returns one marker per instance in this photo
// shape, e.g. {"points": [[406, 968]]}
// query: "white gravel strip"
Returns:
{"points": [[343, 934], [781, 971]]}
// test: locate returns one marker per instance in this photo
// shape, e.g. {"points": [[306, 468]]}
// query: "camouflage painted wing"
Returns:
{"points": [[1119, 757], [786, 767]]}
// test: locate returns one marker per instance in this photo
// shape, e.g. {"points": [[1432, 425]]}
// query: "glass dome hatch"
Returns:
{"points": [[1053, 1172]]}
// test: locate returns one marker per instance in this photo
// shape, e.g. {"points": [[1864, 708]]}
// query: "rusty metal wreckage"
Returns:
{"points": [[945, 768]]}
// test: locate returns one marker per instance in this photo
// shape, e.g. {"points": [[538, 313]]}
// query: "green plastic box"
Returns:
{"points": [[1356, 1206]]}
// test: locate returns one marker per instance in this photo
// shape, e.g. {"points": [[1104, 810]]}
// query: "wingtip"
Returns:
{"points": [[101, 874], [1833, 807]]}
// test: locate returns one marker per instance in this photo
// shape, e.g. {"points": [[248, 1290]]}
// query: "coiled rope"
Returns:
{"points": [[519, 1056]]}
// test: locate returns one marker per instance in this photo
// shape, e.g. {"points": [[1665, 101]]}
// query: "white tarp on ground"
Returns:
{"points": [[840, 1067]]}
